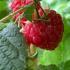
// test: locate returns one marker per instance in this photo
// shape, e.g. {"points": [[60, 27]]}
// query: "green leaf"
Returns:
{"points": [[66, 26], [12, 49], [28, 13], [67, 65], [66, 48], [3, 8], [51, 57], [3, 5], [49, 67]]}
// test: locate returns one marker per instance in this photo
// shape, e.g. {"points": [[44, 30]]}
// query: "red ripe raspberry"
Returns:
{"points": [[15, 5], [45, 34]]}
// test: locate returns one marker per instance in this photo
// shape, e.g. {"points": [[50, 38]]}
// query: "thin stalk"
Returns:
{"points": [[35, 3], [14, 13]]}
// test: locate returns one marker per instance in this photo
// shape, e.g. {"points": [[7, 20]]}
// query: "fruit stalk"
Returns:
{"points": [[14, 13], [35, 3]]}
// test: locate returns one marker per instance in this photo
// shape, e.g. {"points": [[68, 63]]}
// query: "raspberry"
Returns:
{"points": [[15, 5], [45, 34]]}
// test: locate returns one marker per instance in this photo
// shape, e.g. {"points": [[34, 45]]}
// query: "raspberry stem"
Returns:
{"points": [[35, 3], [14, 13], [43, 11]]}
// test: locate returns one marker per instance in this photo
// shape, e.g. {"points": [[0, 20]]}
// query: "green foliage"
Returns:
{"points": [[67, 65], [2, 3], [12, 49], [3, 8], [28, 12], [50, 67]]}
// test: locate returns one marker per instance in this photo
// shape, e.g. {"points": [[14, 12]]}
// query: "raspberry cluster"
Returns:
{"points": [[45, 33]]}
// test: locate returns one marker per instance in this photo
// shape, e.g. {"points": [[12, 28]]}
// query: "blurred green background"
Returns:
{"points": [[60, 57]]}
